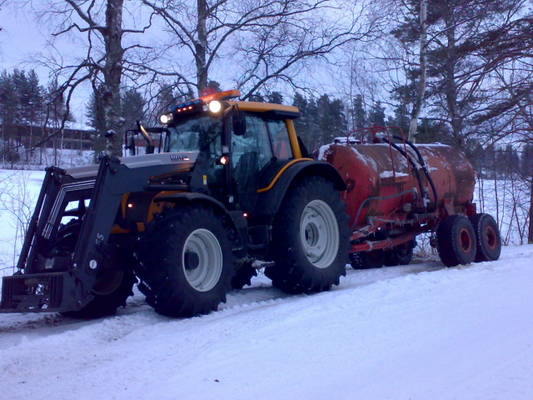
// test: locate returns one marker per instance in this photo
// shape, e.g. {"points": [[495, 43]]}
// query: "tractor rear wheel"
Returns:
{"points": [[489, 244], [186, 262], [310, 238], [456, 241]]}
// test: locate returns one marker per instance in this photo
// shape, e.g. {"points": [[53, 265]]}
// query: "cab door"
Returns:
{"points": [[257, 156]]}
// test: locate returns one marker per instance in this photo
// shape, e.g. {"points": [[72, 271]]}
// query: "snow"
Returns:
{"points": [[322, 151], [390, 174], [412, 332], [63, 158], [420, 331]]}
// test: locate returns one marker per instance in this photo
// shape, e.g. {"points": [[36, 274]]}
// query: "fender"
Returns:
{"points": [[270, 199], [235, 218]]}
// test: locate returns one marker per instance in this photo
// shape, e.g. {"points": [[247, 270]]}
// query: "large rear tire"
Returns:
{"points": [[310, 238], [186, 262], [489, 243], [456, 241]]}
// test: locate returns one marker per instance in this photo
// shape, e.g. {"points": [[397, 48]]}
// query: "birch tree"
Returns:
{"points": [[421, 85], [466, 41], [99, 24]]}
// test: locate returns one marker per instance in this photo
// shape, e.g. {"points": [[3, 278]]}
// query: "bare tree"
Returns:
{"points": [[2, 2], [100, 25], [264, 39], [511, 111], [421, 86]]}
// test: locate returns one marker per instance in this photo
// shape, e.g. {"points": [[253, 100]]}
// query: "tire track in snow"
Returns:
{"points": [[19, 328]]}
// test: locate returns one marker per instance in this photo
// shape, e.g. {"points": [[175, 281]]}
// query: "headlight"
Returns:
{"points": [[215, 106], [166, 118]]}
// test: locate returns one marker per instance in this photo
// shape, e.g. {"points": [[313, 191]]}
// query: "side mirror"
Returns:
{"points": [[150, 146], [130, 142], [131, 145], [238, 120]]}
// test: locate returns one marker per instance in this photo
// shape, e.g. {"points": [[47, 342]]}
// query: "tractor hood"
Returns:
{"points": [[184, 162]]}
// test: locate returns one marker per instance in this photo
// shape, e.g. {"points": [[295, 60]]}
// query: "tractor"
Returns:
{"points": [[220, 185]]}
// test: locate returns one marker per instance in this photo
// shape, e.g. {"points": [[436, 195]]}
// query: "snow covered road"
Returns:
{"points": [[414, 332]]}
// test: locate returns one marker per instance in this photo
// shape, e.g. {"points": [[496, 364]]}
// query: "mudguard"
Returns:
{"points": [[236, 218], [270, 200]]}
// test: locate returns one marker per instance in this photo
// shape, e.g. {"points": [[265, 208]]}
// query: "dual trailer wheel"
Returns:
{"points": [[460, 240]]}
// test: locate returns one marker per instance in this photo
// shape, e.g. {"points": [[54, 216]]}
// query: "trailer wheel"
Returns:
{"points": [[243, 276], [456, 241], [489, 245], [399, 255], [186, 262], [105, 304], [310, 238], [367, 259]]}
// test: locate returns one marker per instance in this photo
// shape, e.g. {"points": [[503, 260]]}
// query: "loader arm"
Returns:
{"points": [[44, 286]]}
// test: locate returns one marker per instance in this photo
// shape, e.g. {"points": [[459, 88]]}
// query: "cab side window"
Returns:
{"points": [[281, 145], [253, 148]]}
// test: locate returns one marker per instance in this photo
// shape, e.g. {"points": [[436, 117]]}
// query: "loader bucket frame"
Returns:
{"points": [[34, 288]]}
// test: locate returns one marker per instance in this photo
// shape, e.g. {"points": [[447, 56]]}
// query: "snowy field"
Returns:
{"points": [[414, 332]]}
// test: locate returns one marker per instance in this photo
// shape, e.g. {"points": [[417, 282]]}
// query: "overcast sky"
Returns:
{"points": [[23, 43]]}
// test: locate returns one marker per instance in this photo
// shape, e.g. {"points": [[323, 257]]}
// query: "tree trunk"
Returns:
{"points": [[450, 85], [112, 76], [530, 233], [201, 46], [421, 90]]}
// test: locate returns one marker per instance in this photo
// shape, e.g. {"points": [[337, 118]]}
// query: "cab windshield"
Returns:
{"points": [[198, 133]]}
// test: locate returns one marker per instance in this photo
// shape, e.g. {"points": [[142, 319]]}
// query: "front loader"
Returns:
{"points": [[222, 184]]}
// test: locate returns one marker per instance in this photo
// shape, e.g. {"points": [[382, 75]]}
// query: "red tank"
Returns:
{"points": [[382, 182]]}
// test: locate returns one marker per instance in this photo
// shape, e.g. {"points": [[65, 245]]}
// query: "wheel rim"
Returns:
{"points": [[319, 233], [465, 240], [202, 260], [491, 237]]}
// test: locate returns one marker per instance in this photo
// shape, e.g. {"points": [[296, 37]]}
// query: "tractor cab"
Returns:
{"points": [[240, 146]]}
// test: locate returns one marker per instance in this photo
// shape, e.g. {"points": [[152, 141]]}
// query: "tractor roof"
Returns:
{"points": [[278, 110]]}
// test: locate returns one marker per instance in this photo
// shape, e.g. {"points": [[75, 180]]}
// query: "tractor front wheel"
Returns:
{"points": [[186, 262], [107, 300]]}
